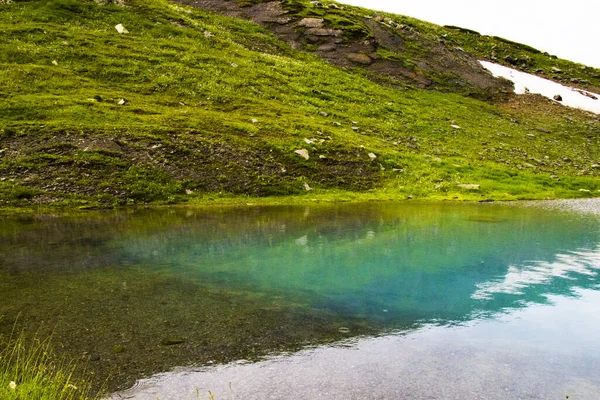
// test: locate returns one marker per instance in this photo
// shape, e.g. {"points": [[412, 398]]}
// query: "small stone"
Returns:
{"points": [[189, 192], [311, 22], [117, 349], [172, 341], [372, 156], [303, 153], [323, 113], [355, 128], [208, 34], [307, 187], [121, 29], [455, 126], [558, 97], [336, 123], [54, 62], [344, 330], [359, 58], [254, 120], [121, 102], [234, 65]]}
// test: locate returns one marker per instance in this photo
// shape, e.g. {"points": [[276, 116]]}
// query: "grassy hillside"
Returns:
{"points": [[191, 106]]}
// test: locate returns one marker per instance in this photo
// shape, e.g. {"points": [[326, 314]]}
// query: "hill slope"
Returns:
{"points": [[191, 105]]}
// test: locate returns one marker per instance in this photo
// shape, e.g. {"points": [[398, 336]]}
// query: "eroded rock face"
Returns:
{"points": [[437, 65]]}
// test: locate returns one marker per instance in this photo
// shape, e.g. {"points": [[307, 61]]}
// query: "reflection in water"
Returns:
{"points": [[183, 287], [518, 279], [529, 353]]}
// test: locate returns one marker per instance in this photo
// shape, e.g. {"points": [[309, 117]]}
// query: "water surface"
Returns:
{"points": [[324, 301]]}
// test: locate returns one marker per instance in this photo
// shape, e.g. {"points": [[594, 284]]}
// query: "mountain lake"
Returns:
{"points": [[323, 301]]}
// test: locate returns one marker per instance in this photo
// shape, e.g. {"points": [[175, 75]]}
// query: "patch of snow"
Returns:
{"points": [[528, 83]]}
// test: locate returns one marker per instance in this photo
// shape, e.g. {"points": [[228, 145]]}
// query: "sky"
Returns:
{"points": [[569, 29]]}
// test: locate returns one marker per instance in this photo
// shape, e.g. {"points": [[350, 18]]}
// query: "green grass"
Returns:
{"points": [[216, 107], [29, 369]]}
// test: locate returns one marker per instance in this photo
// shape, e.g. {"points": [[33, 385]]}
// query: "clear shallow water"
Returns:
{"points": [[387, 300], [528, 83]]}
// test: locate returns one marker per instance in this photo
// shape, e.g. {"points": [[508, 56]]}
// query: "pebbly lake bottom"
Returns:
{"points": [[323, 301], [524, 354]]}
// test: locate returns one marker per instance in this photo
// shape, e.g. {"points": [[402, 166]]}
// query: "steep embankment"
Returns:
{"points": [[190, 105]]}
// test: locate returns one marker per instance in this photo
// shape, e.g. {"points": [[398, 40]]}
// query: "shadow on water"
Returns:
{"points": [[140, 292]]}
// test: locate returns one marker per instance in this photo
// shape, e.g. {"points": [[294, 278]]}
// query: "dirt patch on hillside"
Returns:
{"points": [[121, 167]]}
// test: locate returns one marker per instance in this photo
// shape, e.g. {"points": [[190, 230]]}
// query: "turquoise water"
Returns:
{"points": [[398, 263], [148, 290]]}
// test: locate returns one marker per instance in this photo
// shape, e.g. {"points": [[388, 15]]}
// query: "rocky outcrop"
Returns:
{"points": [[391, 52]]}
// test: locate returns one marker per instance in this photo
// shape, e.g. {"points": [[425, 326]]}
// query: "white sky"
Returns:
{"points": [[569, 29]]}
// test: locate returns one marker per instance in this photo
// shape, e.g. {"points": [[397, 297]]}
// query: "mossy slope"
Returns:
{"points": [[216, 107]]}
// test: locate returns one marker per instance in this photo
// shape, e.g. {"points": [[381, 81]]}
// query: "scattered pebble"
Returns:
{"points": [[121, 29], [303, 153]]}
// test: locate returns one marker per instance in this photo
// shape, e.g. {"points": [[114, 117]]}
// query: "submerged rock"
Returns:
{"points": [[172, 341]]}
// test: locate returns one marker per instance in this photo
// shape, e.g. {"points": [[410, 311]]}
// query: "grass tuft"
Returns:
{"points": [[30, 369]]}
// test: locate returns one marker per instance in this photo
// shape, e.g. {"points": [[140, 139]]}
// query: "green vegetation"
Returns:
{"points": [[190, 107], [29, 369]]}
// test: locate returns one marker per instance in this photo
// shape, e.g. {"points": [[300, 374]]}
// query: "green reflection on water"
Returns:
{"points": [[191, 286]]}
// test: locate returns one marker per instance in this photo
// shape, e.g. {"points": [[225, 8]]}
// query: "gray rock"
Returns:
{"points": [[311, 22]]}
